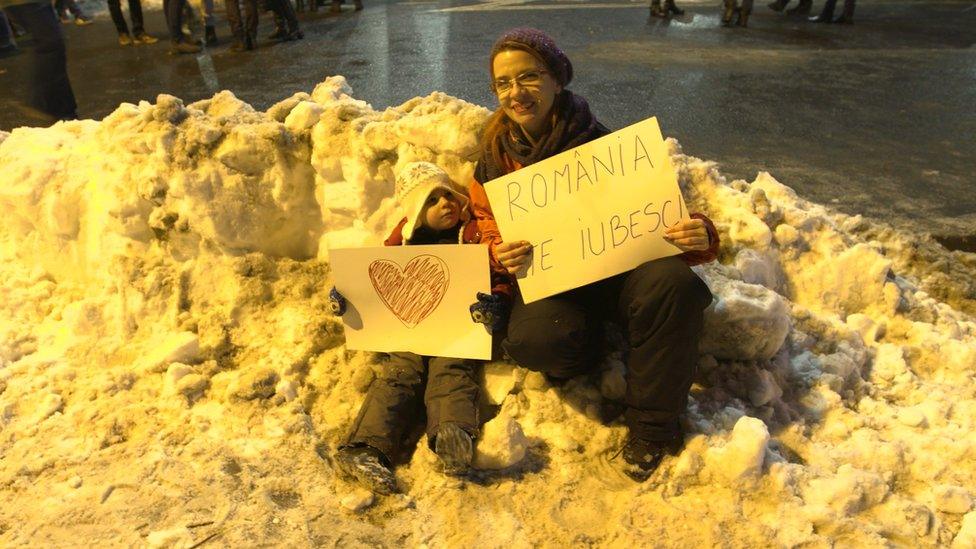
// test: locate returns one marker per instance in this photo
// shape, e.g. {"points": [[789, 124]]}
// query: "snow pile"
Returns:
{"points": [[169, 373]]}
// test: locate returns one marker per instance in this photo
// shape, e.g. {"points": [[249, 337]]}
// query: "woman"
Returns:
{"points": [[660, 302]]}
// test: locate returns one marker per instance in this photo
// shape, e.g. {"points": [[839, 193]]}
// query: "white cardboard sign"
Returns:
{"points": [[592, 212], [413, 298]]}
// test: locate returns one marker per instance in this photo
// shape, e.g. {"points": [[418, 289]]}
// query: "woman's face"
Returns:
{"points": [[525, 89]]}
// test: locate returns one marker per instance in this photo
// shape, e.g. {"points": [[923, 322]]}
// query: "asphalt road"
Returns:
{"points": [[874, 118]]}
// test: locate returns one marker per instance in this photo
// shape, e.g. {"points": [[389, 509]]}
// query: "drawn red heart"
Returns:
{"points": [[412, 292]]}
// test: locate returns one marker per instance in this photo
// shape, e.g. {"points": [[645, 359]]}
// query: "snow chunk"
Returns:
{"points": [[174, 347], [303, 116], [952, 499], [253, 384], [613, 381], [966, 538], [358, 501], [850, 491], [742, 456], [746, 322], [174, 537], [502, 444], [500, 379]]}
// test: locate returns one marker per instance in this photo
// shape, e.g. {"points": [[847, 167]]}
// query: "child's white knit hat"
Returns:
{"points": [[414, 183]]}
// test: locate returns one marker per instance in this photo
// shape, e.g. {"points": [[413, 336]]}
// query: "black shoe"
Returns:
{"points": [[250, 42], [778, 5], [368, 467], [822, 18], [280, 33], [454, 447], [657, 10], [210, 36], [803, 8], [643, 456], [294, 35], [670, 6]]}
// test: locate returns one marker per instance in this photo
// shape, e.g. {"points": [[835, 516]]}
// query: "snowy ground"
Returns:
{"points": [[169, 374]]}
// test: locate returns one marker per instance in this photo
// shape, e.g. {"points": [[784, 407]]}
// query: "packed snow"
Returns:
{"points": [[170, 374]]}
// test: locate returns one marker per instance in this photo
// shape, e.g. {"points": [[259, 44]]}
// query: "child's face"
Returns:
{"points": [[441, 210]]}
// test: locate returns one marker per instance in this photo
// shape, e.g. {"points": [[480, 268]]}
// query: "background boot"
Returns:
{"points": [[210, 36], [728, 13], [670, 6], [657, 10], [743, 20], [848, 14], [778, 5], [827, 14], [803, 8]]}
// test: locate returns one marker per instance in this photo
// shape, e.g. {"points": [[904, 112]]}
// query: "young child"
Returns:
{"points": [[435, 212]]}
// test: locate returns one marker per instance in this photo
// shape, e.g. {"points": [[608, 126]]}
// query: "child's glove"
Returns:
{"points": [[490, 310], [337, 302]]}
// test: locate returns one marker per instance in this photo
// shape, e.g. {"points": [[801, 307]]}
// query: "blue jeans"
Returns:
{"points": [[49, 89]]}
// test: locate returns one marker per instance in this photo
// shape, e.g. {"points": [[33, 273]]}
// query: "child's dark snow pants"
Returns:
{"points": [[660, 304], [449, 388]]}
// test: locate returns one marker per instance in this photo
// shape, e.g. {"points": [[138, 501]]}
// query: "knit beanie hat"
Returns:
{"points": [[537, 42], [414, 183]]}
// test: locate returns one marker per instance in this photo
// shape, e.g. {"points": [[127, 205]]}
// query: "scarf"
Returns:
{"points": [[574, 125]]}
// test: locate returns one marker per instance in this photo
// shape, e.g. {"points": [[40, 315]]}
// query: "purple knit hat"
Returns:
{"points": [[539, 43]]}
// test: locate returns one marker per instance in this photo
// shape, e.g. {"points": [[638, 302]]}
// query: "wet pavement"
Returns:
{"points": [[875, 118]]}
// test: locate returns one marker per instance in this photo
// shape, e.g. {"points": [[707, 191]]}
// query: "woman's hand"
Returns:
{"points": [[513, 255], [690, 235]]}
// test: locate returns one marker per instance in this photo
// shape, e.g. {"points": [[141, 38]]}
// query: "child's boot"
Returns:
{"points": [[368, 467], [454, 447]]}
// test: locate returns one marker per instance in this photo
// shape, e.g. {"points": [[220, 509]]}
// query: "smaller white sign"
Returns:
{"points": [[414, 298]]}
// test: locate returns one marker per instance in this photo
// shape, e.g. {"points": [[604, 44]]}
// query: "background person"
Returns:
{"points": [[7, 44], [660, 303], [138, 35], [49, 90]]}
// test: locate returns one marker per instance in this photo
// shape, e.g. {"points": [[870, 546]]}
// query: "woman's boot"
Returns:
{"points": [[778, 5], [657, 10], [670, 6]]}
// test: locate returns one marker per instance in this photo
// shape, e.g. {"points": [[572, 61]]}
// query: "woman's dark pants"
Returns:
{"points": [[660, 304], [448, 388]]}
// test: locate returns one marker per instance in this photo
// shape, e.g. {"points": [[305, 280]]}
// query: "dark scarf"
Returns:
{"points": [[574, 125]]}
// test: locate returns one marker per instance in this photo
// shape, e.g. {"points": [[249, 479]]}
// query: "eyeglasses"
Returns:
{"points": [[528, 79]]}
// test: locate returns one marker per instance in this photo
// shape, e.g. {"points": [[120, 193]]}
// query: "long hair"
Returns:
{"points": [[499, 124]]}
